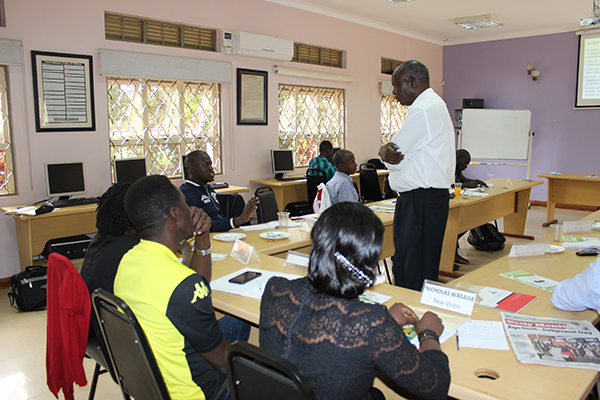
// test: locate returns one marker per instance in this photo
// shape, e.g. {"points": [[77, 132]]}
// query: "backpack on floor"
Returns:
{"points": [[28, 289], [487, 238]]}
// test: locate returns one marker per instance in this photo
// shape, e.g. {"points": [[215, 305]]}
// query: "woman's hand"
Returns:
{"points": [[430, 321], [403, 314]]}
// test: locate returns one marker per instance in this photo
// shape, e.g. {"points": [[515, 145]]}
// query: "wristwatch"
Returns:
{"points": [[204, 252]]}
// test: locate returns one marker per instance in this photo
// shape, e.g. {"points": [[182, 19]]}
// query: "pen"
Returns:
{"points": [[457, 342]]}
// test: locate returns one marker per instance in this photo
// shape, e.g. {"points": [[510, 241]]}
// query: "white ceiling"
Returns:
{"points": [[433, 20]]}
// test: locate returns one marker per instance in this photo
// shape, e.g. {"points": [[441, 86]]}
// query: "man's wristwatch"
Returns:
{"points": [[204, 252]]}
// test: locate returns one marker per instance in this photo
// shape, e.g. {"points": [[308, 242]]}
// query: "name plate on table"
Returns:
{"points": [[447, 298]]}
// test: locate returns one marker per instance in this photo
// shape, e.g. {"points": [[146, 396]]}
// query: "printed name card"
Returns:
{"points": [[244, 252], [448, 298], [577, 226]]}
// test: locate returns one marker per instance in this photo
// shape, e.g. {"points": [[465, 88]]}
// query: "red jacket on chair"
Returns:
{"points": [[68, 303]]}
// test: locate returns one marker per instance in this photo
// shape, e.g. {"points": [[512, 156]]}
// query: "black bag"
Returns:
{"points": [[299, 208], [487, 238], [28, 289]]}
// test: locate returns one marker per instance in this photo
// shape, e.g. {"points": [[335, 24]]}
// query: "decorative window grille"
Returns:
{"points": [[7, 178], [392, 117], [307, 116]]}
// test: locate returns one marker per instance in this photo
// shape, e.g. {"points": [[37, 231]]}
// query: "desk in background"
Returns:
{"points": [[291, 191], [34, 231], [516, 381], [580, 189]]}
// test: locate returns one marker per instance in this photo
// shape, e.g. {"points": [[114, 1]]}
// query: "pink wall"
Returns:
{"points": [[566, 139], [73, 26]]}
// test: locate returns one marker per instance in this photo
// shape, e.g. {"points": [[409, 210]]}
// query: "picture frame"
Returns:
{"points": [[63, 92], [252, 88]]}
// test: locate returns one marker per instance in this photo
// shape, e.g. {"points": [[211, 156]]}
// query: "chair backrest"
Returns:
{"points": [[267, 204], [255, 373], [369, 183], [232, 204], [314, 176], [130, 354], [377, 163]]}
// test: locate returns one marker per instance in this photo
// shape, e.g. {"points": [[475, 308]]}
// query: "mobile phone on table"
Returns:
{"points": [[587, 253], [245, 277]]}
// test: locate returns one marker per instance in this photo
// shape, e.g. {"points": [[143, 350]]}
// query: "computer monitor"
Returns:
{"points": [[65, 179], [129, 170], [282, 161], [335, 150]]}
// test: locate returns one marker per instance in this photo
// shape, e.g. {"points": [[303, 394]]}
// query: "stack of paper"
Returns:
{"points": [[581, 243]]}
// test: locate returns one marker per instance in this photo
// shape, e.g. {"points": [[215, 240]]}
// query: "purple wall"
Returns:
{"points": [[566, 140]]}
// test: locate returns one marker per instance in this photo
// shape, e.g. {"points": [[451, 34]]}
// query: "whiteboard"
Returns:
{"points": [[496, 134]]}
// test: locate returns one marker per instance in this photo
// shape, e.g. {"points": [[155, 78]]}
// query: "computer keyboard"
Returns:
{"points": [[218, 185], [78, 201], [292, 178]]}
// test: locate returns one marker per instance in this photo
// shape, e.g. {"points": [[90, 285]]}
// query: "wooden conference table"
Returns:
{"points": [[292, 191], [509, 202], [516, 380], [33, 232], [580, 189]]}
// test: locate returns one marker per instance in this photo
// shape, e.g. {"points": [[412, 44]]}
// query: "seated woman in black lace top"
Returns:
{"points": [[337, 341]]}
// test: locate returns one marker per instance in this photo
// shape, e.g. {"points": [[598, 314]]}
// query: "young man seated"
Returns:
{"points": [[171, 301], [322, 161], [463, 158], [341, 187], [198, 194]]}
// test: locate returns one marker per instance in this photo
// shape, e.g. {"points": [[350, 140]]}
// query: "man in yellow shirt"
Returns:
{"points": [[171, 301]]}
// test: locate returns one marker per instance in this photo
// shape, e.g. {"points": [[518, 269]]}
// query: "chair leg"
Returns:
{"points": [[94, 382], [387, 271]]}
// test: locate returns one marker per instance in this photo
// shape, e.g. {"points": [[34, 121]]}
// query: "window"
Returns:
{"points": [[307, 54], [140, 30], [7, 179], [161, 120], [307, 116], [388, 66], [392, 117]]}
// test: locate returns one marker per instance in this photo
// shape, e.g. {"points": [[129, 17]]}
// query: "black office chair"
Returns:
{"points": [[369, 183], [388, 193], [255, 373], [232, 204], [267, 204], [129, 351], [97, 351], [314, 176]]}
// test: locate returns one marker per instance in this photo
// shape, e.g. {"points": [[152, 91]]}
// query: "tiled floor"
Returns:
{"points": [[23, 335]]}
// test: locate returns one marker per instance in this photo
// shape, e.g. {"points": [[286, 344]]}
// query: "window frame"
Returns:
{"points": [[7, 185], [121, 146], [304, 152]]}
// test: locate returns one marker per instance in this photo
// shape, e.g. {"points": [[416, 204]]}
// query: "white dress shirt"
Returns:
{"points": [[580, 293], [427, 141]]}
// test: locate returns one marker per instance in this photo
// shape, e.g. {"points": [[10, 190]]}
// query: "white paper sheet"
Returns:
{"points": [[253, 288], [267, 226], [482, 335]]}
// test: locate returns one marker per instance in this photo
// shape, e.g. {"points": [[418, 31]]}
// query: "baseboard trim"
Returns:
{"points": [[539, 203], [4, 283]]}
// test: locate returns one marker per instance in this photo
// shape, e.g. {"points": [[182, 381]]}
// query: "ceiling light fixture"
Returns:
{"points": [[479, 21], [399, 1]]}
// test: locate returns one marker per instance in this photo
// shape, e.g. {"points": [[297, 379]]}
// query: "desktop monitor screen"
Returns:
{"points": [[335, 150], [183, 170], [129, 170], [282, 161], [65, 179]]}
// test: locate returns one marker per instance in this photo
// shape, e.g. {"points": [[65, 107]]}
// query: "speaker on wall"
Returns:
{"points": [[472, 103]]}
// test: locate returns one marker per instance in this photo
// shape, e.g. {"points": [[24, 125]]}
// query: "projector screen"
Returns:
{"points": [[588, 71]]}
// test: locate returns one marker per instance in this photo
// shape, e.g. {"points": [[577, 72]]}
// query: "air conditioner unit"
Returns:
{"points": [[251, 45]]}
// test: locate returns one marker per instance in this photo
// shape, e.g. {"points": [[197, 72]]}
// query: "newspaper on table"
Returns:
{"points": [[553, 342]]}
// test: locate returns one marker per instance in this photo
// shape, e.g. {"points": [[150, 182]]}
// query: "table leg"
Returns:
{"points": [[449, 245], [23, 229], [551, 205], [515, 223]]}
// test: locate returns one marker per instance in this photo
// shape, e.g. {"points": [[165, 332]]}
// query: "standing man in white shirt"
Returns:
{"points": [[421, 159]]}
